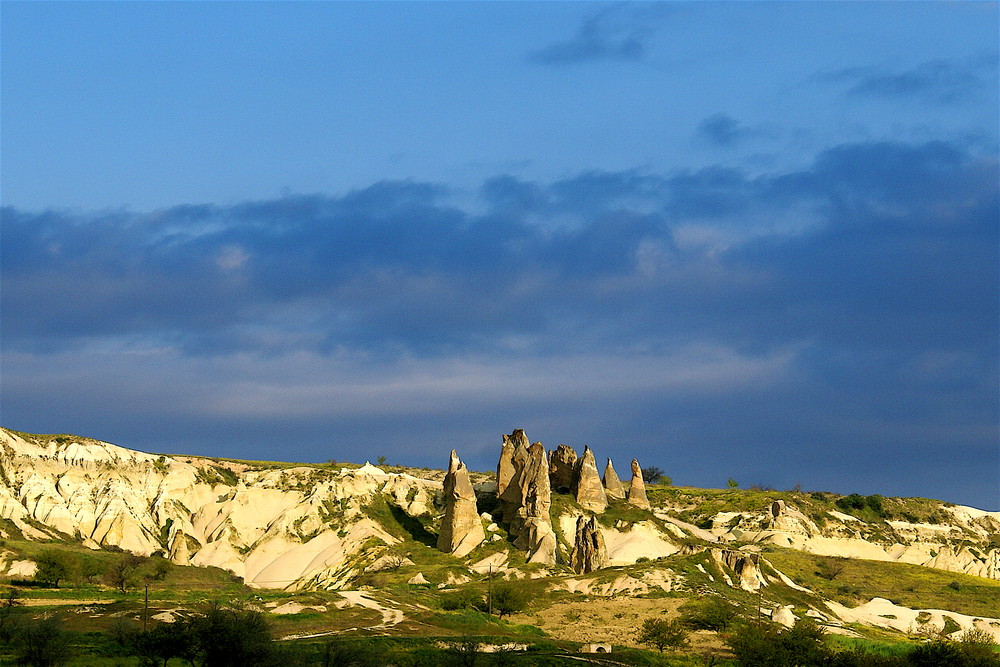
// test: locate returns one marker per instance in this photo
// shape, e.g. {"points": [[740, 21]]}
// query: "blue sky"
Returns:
{"points": [[749, 240]]}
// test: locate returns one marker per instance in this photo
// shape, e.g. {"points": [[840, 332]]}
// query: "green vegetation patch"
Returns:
{"points": [[908, 585]]}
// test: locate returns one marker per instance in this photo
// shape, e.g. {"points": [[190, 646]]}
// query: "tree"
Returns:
{"points": [[830, 568], [42, 644], [53, 567], [767, 646], [652, 474], [233, 637], [732, 483], [710, 613], [10, 615], [121, 574], [465, 651], [661, 633], [508, 598]]}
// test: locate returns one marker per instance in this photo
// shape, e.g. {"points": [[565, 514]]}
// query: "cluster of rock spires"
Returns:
{"points": [[525, 479]]}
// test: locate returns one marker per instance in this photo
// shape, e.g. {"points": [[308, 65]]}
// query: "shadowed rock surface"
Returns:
{"points": [[587, 483], [461, 529], [612, 485], [562, 468], [637, 489], [589, 550]]}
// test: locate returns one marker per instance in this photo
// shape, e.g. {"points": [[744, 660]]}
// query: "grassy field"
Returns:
{"points": [[907, 585]]}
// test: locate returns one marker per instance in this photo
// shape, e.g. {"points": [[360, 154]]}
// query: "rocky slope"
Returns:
{"points": [[321, 527]]}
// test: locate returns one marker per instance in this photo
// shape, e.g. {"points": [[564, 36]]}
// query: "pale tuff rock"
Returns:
{"points": [[587, 484], [518, 439], [784, 616], [589, 551], [879, 612], [417, 579], [612, 485], [562, 468], [461, 529], [526, 502], [637, 489], [505, 466], [627, 543], [745, 565]]}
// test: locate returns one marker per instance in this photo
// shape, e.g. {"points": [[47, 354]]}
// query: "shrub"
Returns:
{"points": [[54, 566], [661, 633], [709, 614], [767, 646], [42, 644], [508, 598], [465, 598]]}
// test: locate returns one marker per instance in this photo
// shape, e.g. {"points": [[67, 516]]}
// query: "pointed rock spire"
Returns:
{"points": [[637, 489], [505, 466], [589, 550], [612, 485], [533, 526], [461, 529], [587, 483]]}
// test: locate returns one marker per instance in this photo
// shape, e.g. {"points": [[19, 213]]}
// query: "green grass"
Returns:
{"points": [[907, 585]]}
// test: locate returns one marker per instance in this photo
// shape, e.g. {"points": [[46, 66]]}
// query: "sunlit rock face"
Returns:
{"points": [[637, 488], [612, 485], [286, 528], [461, 529], [587, 484], [526, 500]]}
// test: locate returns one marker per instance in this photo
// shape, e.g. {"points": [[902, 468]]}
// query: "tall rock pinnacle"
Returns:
{"points": [[461, 529], [637, 489]]}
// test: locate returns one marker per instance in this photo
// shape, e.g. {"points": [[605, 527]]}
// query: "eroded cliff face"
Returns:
{"points": [[279, 528], [964, 540], [299, 527]]}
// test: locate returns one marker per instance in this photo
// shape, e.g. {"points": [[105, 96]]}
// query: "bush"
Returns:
{"points": [[661, 633], [42, 644], [767, 646], [54, 566], [709, 614], [508, 598], [465, 598]]}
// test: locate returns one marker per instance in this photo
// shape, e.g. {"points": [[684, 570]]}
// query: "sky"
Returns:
{"points": [[740, 240]]}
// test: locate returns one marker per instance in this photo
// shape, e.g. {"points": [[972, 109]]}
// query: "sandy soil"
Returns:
{"points": [[612, 620]]}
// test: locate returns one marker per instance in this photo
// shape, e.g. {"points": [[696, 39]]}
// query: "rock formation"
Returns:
{"points": [[505, 466], [562, 463], [637, 489], [526, 500], [589, 551], [587, 483], [612, 485], [461, 529], [745, 565]]}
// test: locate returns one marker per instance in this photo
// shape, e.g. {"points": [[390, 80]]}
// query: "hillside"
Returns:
{"points": [[860, 566]]}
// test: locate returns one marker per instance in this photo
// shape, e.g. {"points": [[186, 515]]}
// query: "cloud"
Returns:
{"points": [[851, 302], [723, 130], [618, 33], [939, 81]]}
